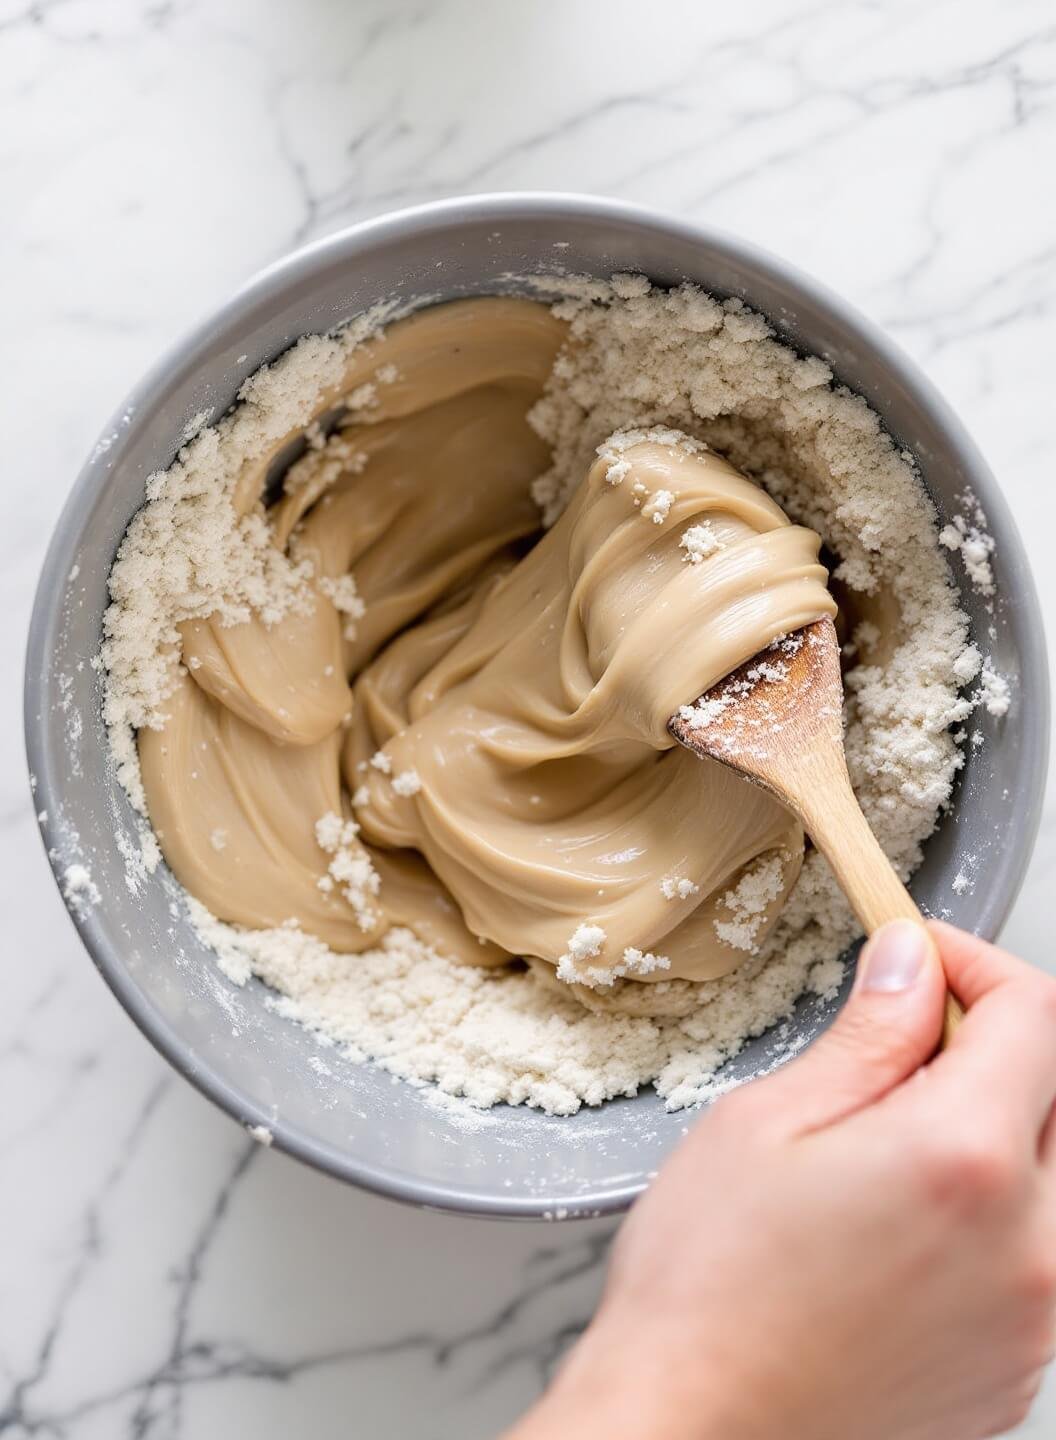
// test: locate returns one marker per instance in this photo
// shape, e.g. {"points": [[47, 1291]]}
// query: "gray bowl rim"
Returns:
{"points": [[499, 207]]}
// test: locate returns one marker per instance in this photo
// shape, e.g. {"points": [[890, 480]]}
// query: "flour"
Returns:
{"points": [[968, 534], [187, 554], [639, 964], [328, 458], [492, 1037], [78, 886], [658, 506], [739, 736], [672, 888], [617, 469], [350, 869], [346, 600], [406, 783], [585, 943], [993, 693], [747, 902], [699, 541], [679, 368]]}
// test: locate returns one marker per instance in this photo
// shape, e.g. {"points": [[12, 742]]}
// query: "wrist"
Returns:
{"points": [[606, 1391]]}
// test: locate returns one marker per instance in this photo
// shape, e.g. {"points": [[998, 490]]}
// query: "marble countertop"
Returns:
{"points": [[163, 1276]]}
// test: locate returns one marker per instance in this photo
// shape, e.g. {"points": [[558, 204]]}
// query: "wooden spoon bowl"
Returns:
{"points": [[778, 720]]}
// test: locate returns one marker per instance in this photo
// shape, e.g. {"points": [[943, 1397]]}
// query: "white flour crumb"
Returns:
{"points": [[699, 541], [622, 439], [672, 888], [194, 424], [363, 397], [772, 671], [149, 849], [42, 817], [142, 859], [382, 762], [560, 1213], [994, 693], [629, 286], [387, 374], [658, 507], [704, 712], [584, 943], [260, 1133], [345, 598], [961, 883], [78, 886], [328, 458], [968, 664], [360, 796], [218, 839], [407, 782], [636, 963], [758, 887], [330, 831], [968, 534], [826, 977], [351, 867], [866, 635]]}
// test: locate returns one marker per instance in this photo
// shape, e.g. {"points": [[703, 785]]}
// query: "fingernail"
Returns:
{"points": [[894, 958]]}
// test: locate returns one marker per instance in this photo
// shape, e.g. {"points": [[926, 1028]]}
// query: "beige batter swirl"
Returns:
{"points": [[495, 721]]}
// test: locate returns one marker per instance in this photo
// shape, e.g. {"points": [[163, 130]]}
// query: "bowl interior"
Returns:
{"points": [[355, 1120]]}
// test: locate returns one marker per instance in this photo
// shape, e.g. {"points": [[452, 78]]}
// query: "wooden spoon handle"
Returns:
{"points": [[834, 821]]}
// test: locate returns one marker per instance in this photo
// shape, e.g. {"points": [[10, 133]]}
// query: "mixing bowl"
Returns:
{"points": [[354, 1120]]}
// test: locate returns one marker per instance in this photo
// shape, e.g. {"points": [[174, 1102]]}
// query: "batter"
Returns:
{"points": [[469, 735]]}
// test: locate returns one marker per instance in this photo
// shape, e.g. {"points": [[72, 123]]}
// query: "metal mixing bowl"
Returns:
{"points": [[354, 1120]]}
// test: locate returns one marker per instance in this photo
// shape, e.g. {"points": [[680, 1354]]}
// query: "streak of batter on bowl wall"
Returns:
{"points": [[399, 641]]}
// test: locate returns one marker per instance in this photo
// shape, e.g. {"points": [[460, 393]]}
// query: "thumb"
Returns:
{"points": [[889, 1027]]}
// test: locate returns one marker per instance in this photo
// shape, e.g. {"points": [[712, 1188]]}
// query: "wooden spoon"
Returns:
{"points": [[778, 720]]}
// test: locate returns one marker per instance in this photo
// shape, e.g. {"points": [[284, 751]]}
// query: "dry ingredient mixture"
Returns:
{"points": [[592, 907]]}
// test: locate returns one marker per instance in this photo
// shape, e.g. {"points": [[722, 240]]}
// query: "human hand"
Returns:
{"points": [[861, 1246]]}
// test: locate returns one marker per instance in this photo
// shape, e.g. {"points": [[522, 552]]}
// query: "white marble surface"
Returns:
{"points": [[161, 1276]]}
